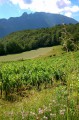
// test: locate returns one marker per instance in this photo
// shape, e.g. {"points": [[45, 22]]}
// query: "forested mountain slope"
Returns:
{"points": [[32, 39]]}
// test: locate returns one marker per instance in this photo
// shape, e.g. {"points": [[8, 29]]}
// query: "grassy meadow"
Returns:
{"points": [[44, 88], [26, 55]]}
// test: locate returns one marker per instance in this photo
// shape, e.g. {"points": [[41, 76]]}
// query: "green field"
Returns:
{"points": [[45, 88]]}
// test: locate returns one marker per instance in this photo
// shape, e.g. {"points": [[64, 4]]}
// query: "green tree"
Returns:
{"points": [[13, 47], [2, 51], [67, 40]]}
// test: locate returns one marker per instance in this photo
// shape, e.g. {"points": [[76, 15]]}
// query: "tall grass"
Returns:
{"points": [[56, 101]]}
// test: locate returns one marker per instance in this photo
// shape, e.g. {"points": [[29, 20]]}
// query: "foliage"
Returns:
{"points": [[17, 75], [25, 78], [68, 41], [32, 39], [2, 51]]}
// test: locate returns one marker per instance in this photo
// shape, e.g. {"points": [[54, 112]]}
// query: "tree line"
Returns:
{"points": [[26, 40]]}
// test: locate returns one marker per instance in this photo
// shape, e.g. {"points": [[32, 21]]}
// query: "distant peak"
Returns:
{"points": [[24, 14]]}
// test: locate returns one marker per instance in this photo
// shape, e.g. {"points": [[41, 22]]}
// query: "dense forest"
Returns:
{"points": [[32, 39]]}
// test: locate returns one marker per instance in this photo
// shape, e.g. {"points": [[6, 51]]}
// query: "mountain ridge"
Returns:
{"points": [[32, 21]]}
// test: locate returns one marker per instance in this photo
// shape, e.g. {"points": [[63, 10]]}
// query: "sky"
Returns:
{"points": [[15, 8]]}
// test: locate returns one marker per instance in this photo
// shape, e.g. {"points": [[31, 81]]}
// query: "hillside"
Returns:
{"points": [[26, 40], [28, 54], [40, 89], [32, 21], [33, 54]]}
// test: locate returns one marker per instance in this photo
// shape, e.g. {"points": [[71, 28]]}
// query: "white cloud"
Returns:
{"points": [[75, 8], [72, 8], [51, 6], [68, 14], [39, 5], [16, 1], [63, 3]]}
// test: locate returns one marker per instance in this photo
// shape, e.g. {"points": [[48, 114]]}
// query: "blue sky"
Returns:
{"points": [[15, 8]]}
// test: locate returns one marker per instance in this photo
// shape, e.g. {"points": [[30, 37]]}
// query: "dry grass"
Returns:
{"points": [[26, 55], [41, 52]]}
